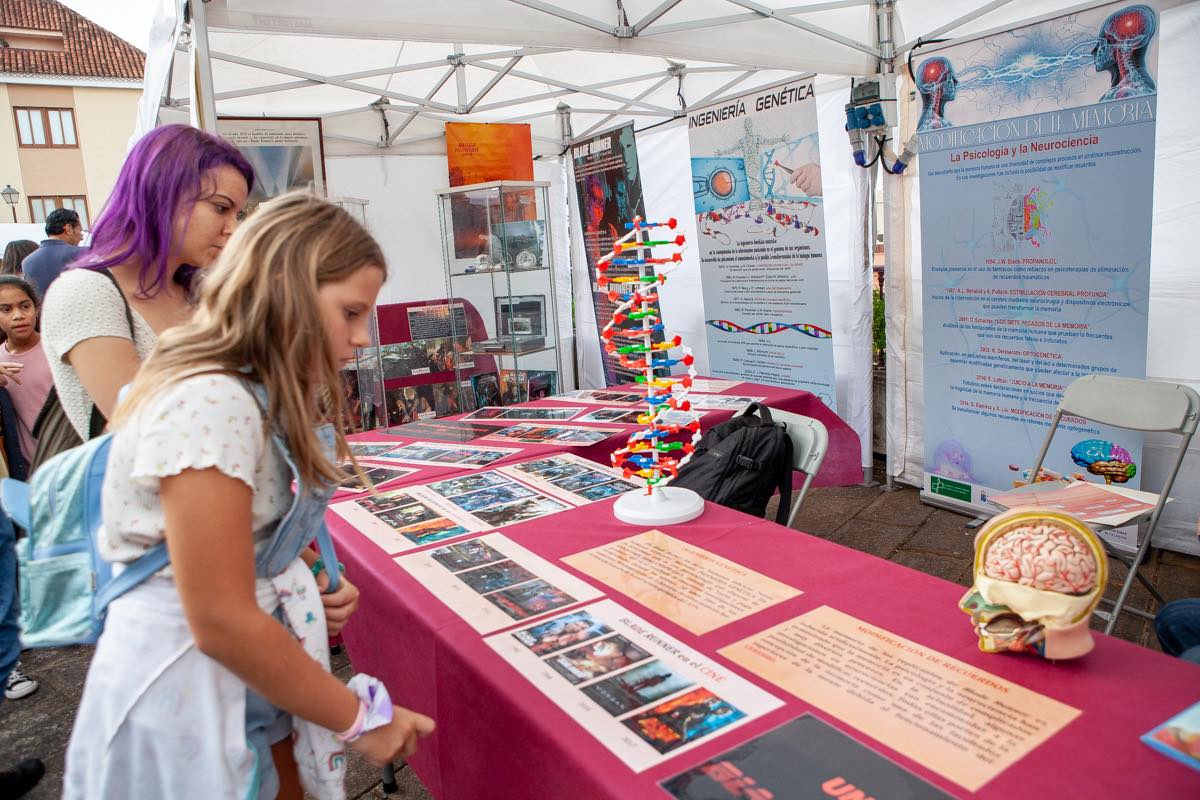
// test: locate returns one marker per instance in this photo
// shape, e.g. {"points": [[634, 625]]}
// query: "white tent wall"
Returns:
{"points": [[1174, 326], [402, 212]]}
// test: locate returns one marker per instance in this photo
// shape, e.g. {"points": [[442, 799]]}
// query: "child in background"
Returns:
{"points": [[212, 679], [23, 365], [26, 382]]}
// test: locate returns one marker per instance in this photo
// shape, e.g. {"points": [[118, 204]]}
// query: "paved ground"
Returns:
{"points": [[892, 525]]}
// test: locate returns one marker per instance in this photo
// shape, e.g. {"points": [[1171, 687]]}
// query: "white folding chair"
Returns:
{"points": [[810, 440], [1138, 405]]}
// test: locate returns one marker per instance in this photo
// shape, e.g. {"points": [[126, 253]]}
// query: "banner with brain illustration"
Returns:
{"points": [[756, 183], [1037, 167]]}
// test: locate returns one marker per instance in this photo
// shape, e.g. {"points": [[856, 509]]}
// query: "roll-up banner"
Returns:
{"points": [[1037, 168], [609, 189], [756, 181]]}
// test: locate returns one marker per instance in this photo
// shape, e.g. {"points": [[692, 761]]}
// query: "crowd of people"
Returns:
{"points": [[208, 348]]}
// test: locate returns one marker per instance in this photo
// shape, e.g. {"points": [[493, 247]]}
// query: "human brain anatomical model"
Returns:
{"points": [[1044, 556], [1038, 576]]}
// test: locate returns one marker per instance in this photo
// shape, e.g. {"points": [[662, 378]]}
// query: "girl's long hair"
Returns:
{"points": [[258, 308]]}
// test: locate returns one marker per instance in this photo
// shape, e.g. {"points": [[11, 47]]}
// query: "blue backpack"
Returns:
{"points": [[64, 584]]}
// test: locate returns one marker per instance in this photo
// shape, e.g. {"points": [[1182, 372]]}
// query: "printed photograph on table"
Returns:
{"points": [[530, 599], [369, 449], [519, 511], [804, 752], [571, 478], [616, 675], [553, 434], [446, 454], [446, 430], [1179, 738], [401, 519], [491, 496], [684, 719], [623, 416], [573, 629], [457, 557], [468, 483], [522, 413], [645, 684], [597, 658], [495, 577], [375, 476], [602, 397]]}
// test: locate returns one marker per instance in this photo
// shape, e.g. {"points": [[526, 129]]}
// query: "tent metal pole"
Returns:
{"points": [[577, 88], [460, 77], [617, 111], [437, 87], [654, 15], [512, 62], [733, 19], [332, 81], [203, 111], [562, 92], [569, 16], [807, 26], [720, 92], [952, 24]]}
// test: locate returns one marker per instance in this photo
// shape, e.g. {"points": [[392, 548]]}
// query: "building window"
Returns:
{"points": [[46, 127], [40, 207]]}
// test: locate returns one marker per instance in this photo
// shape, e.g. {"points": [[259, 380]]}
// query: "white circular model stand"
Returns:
{"points": [[668, 505]]}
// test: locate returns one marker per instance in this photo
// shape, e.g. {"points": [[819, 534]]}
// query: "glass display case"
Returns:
{"points": [[496, 241]]}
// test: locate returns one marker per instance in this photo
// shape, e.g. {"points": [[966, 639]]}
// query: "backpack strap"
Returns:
{"points": [[785, 479], [133, 575]]}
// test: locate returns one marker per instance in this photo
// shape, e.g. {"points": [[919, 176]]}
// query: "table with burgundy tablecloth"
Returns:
{"points": [[841, 467], [499, 737]]}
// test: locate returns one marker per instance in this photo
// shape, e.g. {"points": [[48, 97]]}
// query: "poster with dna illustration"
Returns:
{"points": [[756, 185], [1037, 166]]}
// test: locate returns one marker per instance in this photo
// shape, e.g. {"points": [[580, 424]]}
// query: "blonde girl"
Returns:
{"points": [[211, 679]]}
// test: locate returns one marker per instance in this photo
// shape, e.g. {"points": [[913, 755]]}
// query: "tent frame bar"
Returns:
{"points": [[816, 30], [733, 19]]}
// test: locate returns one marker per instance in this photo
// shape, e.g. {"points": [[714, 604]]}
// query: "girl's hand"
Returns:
{"points": [[9, 371], [397, 739], [340, 604]]}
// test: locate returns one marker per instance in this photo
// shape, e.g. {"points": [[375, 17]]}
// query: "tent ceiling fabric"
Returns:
{"points": [[518, 60]]}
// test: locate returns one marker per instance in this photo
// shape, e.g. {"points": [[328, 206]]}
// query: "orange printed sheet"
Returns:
{"points": [[957, 720], [692, 587]]}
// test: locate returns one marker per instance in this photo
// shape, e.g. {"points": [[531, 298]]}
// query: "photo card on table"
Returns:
{"points": [[573, 435], [446, 454], [427, 513], [449, 430], [643, 694], [531, 413], [495, 594], [806, 751], [571, 478]]}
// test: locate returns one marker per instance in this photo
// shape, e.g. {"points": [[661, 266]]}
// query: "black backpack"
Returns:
{"points": [[741, 462]]}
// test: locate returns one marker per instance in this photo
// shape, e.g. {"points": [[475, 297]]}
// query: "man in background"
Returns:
{"points": [[46, 263]]}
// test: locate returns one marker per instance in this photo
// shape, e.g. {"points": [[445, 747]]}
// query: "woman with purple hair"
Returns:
{"points": [[178, 199]]}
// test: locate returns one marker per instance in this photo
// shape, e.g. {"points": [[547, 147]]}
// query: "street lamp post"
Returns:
{"points": [[11, 196]]}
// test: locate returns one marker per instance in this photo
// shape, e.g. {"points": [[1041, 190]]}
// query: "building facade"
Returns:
{"points": [[69, 91]]}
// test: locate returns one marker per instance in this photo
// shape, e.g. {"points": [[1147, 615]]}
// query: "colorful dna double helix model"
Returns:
{"points": [[656, 452]]}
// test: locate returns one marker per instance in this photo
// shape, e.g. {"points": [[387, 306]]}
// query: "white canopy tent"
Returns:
{"points": [[385, 76]]}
